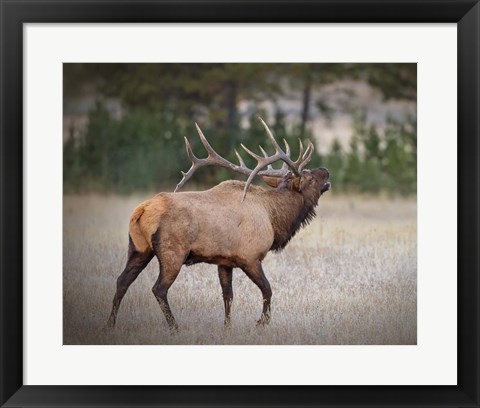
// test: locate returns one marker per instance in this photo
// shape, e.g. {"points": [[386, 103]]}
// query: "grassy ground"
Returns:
{"points": [[348, 278]]}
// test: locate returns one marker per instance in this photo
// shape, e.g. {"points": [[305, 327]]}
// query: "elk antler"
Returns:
{"points": [[296, 166], [215, 159]]}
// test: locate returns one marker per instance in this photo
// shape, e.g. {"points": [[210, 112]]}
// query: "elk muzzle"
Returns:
{"points": [[324, 175]]}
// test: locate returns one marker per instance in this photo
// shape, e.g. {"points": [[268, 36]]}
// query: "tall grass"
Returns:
{"points": [[348, 278]]}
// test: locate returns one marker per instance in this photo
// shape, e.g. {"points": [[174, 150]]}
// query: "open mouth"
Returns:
{"points": [[326, 187]]}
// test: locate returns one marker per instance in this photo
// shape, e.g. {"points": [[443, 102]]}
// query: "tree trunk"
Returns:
{"points": [[231, 105], [232, 113], [307, 92]]}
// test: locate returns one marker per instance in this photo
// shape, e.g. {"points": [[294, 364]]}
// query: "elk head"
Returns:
{"points": [[310, 183], [292, 176]]}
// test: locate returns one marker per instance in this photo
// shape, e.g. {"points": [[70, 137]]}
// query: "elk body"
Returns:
{"points": [[232, 225]]}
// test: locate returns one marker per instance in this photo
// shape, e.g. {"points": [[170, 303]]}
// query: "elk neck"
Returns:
{"points": [[289, 211]]}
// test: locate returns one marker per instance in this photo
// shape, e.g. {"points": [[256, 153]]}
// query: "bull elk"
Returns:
{"points": [[232, 225]]}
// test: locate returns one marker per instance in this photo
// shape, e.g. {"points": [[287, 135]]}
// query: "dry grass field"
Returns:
{"points": [[350, 277]]}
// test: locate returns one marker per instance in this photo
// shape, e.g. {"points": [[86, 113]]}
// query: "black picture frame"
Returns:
{"points": [[465, 13]]}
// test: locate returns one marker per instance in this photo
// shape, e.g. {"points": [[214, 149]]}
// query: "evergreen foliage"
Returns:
{"points": [[142, 148]]}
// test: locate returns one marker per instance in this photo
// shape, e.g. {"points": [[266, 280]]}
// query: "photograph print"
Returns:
{"points": [[239, 203]]}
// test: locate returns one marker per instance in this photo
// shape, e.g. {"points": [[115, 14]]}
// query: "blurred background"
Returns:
{"points": [[124, 123]]}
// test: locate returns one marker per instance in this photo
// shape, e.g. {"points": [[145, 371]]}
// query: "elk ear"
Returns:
{"points": [[296, 184], [272, 181]]}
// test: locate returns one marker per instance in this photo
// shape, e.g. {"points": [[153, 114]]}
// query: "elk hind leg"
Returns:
{"points": [[255, 273], [136, 263], [225, 276]]}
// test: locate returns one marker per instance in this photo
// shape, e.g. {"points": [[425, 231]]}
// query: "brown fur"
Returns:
{"points": [[215, 226]]}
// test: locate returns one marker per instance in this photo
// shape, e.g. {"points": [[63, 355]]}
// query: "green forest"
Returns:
{"points": [[138, 146]]}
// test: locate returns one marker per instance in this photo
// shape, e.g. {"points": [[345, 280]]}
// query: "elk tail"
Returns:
{"points": [[135, 230]]}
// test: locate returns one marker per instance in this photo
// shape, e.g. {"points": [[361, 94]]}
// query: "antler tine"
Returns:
{"points": [[195, 165], [309, 149], [287, 147], [300, 154], [307, 156], [190, 154], [265, 161], [300, 149], [280, 154], [240, 160], [250, 178], [261, 162], [254, 155], [287, 150], [270, 136], [269, 167], [211, 152], [263, 151]]}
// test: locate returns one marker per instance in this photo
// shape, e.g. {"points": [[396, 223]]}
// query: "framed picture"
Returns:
{"points": [[375, 302]]}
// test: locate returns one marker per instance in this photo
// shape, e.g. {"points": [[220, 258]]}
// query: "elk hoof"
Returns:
{"points": [[173, 328], [263, 321], [110, 325]]}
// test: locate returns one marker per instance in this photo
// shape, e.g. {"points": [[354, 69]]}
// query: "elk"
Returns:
{"points": [[232, 225]]}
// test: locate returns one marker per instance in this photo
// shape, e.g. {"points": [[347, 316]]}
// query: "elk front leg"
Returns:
{"points": [[170, 265], [225, 276], [255, 273]]}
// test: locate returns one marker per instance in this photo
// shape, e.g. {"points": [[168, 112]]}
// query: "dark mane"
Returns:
{"points": [[292, 214]]}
